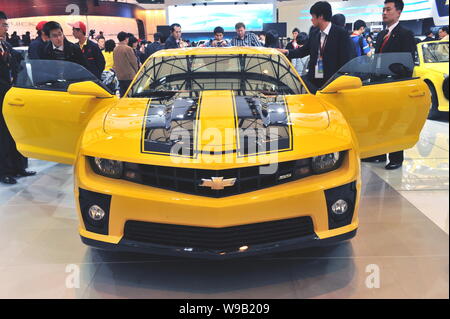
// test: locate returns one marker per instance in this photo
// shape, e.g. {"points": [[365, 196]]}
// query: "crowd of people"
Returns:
{"points": [[316, 54]]}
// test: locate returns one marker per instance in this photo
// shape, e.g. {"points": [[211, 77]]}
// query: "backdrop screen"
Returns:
{"points": [[205, 18]]}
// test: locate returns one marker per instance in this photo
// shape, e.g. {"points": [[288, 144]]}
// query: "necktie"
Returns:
{"points": [[385, 40]]}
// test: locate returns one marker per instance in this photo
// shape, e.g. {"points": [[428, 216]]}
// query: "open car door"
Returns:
{"points": [[388, 111], [49, 107]]}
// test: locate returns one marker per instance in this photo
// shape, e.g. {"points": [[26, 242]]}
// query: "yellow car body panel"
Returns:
{"points": [[434, 73], [62, 116], [71, 127], [379, 127]]}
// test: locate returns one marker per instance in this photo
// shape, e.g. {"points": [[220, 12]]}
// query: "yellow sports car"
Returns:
{"points": [[217, 152], [432, 67]]}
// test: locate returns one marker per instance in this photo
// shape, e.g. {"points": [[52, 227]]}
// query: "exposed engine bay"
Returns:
{"points": [[262, 123]]}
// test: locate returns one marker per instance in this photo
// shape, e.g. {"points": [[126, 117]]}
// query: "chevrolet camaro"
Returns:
{"points": [[217, 152]]}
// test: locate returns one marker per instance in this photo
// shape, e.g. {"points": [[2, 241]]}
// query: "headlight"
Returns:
{"points": [[106, 167], [325, 163]]}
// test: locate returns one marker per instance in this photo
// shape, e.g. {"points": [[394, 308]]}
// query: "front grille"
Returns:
{"points": [[229, 238], [186, 180]]}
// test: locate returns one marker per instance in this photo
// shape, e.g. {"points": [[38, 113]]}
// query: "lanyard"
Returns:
{"points": [[322, 47]]}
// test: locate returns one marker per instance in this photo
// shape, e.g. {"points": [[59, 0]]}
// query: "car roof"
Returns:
{"points": [[219, 51]]}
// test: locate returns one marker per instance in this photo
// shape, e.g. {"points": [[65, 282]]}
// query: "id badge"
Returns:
{"points": [[319, 69], [320, 66]]}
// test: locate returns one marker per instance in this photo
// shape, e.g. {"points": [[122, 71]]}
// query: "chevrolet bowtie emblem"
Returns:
{"points": [[218, 183]]}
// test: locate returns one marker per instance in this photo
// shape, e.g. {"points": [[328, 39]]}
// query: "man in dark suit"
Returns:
{"points": [[329, 48], [12, 163], [394, 38], [174, 40], [59, 48]]}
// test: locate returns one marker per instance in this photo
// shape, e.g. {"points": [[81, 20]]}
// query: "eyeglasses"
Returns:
{"points": [[56, 35]]}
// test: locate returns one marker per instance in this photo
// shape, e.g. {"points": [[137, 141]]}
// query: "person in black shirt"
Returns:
{"points": [[174, 40], [59, 48], [94, 56], [14, 40], [12, 163], [338, 19], [218, 41], [155, 46], [272, 39], [429, 36], [26, 39], [36, 48]]}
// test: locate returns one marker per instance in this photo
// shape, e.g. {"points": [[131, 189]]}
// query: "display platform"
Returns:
{"points": [[401, 250]]}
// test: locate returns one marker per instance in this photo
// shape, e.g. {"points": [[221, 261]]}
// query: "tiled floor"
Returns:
{"points": [[403, 238]]}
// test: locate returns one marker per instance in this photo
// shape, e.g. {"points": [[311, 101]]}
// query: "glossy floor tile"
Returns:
{"points": [[401, 249]]}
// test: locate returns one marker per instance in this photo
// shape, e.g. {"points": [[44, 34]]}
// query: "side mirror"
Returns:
{"points": [[344, 82], [88, 88]]}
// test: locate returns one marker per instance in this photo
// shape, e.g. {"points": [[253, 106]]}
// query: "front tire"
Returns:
{"points": [[434, 112]]}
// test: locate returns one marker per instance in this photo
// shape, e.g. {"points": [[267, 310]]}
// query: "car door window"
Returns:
{"points": [[52, 75], [379, 68]]}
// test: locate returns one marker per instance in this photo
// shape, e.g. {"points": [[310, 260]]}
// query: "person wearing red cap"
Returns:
{"points": [[36, 48], [91, 51]]}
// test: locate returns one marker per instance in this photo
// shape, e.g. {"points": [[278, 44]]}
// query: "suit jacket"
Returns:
{"points": [[9, 67], [401, 40], [338, 51], [36, 49], [171, 43], [72, 53], [152, 48]]}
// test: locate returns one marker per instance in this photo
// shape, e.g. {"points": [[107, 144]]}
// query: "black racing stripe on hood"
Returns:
{"points": [[162, 121], [263, 125]]}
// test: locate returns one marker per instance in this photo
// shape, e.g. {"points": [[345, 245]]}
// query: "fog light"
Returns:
{"points": [[96, 213], [339, 207]]}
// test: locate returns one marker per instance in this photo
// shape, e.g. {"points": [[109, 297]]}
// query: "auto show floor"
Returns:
{"points": [[401, 249]]}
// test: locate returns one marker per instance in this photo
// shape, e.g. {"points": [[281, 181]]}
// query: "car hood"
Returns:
{"points": [[215, 122]]}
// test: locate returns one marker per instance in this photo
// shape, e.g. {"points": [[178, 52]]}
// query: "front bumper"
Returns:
{"points": [[282, 246], [125, 201]]}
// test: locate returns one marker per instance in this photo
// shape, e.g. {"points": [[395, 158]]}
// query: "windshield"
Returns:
{"points": [[268, 74], [379, 68], [435, 52]]}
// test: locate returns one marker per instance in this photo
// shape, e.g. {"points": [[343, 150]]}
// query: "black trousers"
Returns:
{"points": [[123, 87], [313, 84], [394, 158], [11, 161]]}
